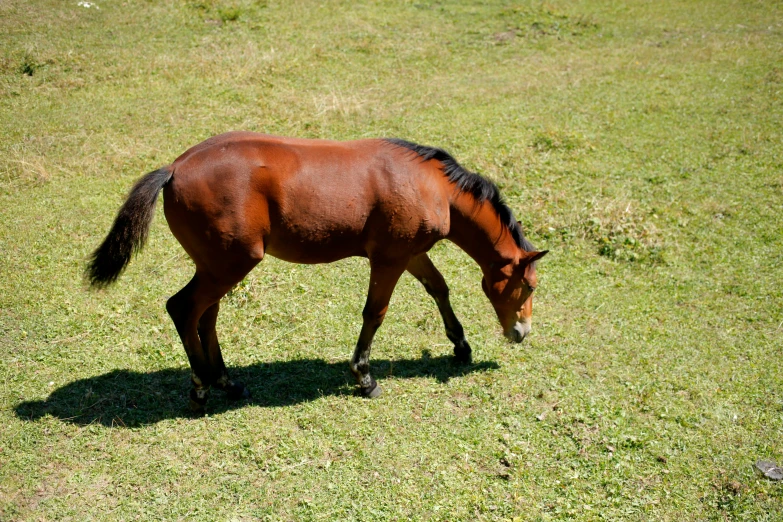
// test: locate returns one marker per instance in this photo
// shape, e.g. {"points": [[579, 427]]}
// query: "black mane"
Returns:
{"points": [[481, 188]]}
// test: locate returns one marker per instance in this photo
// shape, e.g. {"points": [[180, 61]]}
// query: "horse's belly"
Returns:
{"points": [[293, 254], [317, 236]]}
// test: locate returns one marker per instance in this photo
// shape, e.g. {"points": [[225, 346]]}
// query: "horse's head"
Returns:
{"points": [[510, 290]]}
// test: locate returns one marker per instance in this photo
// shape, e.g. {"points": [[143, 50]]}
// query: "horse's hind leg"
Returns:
{"points": [[186, 308], [421, 268], [383, 279], [209, 342]]}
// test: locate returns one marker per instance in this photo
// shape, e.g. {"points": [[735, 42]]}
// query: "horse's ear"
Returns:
{"points": [[535, 256]]}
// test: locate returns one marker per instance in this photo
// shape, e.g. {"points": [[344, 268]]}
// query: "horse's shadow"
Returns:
{"points": [[123, 398]]}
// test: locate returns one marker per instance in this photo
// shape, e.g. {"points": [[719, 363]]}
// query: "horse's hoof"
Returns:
{"points": [[197, 404], [236, 391], [196, 407], [463, 353], [372, 393]]}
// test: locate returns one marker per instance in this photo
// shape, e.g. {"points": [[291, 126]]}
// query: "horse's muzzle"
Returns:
{"points": [[518, 332]]}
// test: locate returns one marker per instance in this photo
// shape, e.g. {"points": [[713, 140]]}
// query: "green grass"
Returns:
{"points": [[640, 143]]}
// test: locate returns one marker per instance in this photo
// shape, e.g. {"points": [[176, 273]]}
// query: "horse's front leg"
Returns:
{"points": [[383, 279], [422, 268]]}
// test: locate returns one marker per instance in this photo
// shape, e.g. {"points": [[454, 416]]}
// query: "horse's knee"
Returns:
{"points": [[373, 317], [441, 297]]}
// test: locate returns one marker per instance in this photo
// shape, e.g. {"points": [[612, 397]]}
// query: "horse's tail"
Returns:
{"points": [[129, 231]]}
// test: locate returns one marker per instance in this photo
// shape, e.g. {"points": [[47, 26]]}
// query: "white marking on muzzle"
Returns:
{"points": [[519, 331]]}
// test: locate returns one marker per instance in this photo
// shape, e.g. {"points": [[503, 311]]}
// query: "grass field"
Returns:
{"points": [[640, 142]]}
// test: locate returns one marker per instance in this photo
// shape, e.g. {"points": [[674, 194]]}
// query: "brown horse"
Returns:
{"points": [[239, 196]]}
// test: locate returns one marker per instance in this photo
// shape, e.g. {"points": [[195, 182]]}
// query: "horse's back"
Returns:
{"points": [[302, 200]]}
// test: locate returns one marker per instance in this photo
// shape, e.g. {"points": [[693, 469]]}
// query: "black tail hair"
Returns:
{"points": [[129, 231]]}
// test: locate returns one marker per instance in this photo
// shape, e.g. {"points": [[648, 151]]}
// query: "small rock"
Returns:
{"points": [[770, 469]]}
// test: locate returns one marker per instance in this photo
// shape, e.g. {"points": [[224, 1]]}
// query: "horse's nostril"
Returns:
{"points": [[518, 333]]}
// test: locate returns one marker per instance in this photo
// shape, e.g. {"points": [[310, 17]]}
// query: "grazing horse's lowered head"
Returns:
{"points": [[510, 290]]}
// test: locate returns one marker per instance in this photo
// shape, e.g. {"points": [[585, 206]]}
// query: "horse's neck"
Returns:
{"points": [[477, 229]]}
